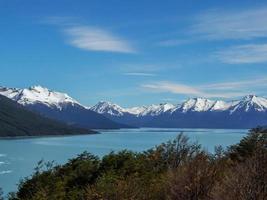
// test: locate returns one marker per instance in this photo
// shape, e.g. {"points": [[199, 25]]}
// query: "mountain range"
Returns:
{"points": [[16, 120], [59, 106], [247, 112]]}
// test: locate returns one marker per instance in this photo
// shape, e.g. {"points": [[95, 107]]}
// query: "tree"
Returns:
{"points": [[257, 138], [192, 180], [245, 181]]}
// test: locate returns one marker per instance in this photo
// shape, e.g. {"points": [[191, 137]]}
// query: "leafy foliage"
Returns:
{"points": [[174, 170]]}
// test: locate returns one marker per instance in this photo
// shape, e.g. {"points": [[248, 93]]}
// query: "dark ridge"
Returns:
{"points": [[15, 120]]}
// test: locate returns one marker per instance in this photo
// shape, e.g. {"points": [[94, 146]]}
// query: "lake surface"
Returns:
{"points": [[18, 157]]}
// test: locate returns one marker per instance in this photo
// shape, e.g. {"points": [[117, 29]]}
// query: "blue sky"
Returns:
{"points": [[135, 52]]}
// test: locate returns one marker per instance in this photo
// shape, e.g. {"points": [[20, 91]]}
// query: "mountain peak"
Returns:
{"points": [[200, 99], [39, 88], [105, 103], [250, 97], [251, 103], [157, 109], [37, 94], [105, 107], [108, 107], [197, 104]]}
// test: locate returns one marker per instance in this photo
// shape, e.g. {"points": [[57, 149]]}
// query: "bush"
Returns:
{"points": [[247, 179]]}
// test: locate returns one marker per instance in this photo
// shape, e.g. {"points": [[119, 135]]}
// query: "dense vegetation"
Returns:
{"points": [[174, 170], [17, 121]]}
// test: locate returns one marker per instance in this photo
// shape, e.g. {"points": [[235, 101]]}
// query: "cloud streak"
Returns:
{"points": [[172, 88], [257, 82], [188, 90], [244, 24], [89, 38], [96, 39], [219, 90], [243, 54], [224, 25], [240, 25]]}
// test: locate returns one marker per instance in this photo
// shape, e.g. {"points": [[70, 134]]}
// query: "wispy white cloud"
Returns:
{"points": [[173, 88], [89, 38], [219, 90], [243, 54], [218, 24], [138, 74], [248, 24], [144, 69], [187, 90], [258, 82], [96, 39], [236, 24]]}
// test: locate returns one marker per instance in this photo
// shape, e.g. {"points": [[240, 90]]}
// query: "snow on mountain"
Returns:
{"points": [[113, 109], [222, 105], [136, 110], [155, 110], [247, 103], [59, 106], [38, 94], [105, 107], [197, 104], [10, 93], [250, 103]]}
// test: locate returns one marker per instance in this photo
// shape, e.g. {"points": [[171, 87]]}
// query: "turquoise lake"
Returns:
{"points": [[18, 157]]}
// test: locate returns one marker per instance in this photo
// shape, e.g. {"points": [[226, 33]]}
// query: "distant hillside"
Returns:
{"points": [[15, 120]]}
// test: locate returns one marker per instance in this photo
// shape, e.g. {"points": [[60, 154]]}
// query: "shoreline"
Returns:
{"points": [[42, 136], [98, 131]]}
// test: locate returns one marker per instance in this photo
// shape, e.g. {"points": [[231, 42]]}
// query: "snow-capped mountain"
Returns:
{"points": [[108, 108], [246, 104], [104, 107], [155, 110], [136, 110], [222, 105], [204, 105], [250, 103], [38, 94], [196, 104], [247, 112], [59, 106]]}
